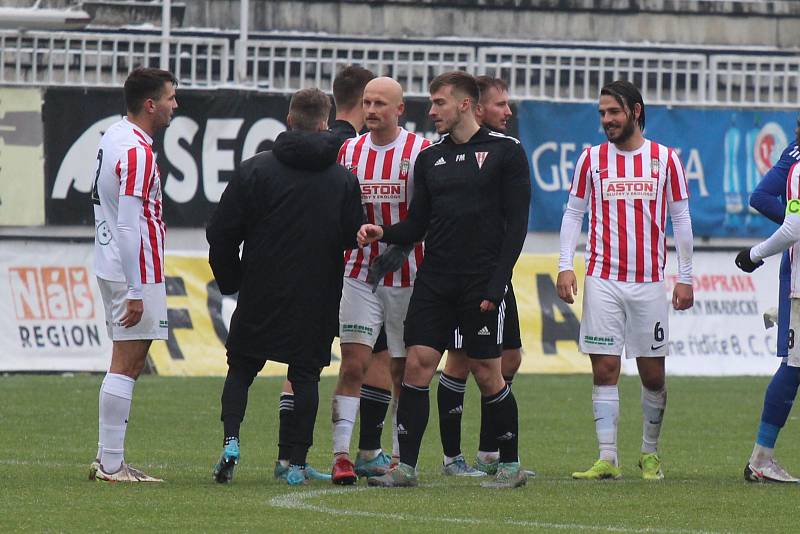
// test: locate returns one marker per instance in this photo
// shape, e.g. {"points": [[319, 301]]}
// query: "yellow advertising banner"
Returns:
{"points": [[199, 317], [21, 158]]}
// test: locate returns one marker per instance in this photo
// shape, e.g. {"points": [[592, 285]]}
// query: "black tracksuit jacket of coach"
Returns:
{"points": [[472, 199], [297, 211]]}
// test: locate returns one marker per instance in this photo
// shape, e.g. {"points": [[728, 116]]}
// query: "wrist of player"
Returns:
{"points": [[134, 293]]}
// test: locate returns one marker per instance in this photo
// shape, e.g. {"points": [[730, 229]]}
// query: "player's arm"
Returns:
{"points": [[135, 167], [516, 190], [571, 221], [224, 233], [785, 236], [766, 197], [413, 228], [678, 206]]}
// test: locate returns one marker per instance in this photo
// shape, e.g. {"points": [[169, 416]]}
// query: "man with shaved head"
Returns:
{"points": [[383, 160]]}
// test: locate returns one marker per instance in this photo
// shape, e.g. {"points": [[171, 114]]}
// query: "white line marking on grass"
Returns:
{"points": [[297, 501]]}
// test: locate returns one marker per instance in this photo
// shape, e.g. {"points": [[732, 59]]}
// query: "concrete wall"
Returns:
{"points": [[745, 23]]}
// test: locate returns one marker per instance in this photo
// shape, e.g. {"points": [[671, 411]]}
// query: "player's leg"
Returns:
{"points": [[450, 400], [242, 370], [360, 319], [602, 336], [429, 321], [647, 338], [398, 370], [510, 359], [376, 396], [780, 394], [128, 357], [285, 419], [305, 382]]}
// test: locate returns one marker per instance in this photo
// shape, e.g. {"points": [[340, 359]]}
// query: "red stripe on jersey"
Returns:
{"points": [[142, 263], [142, 137], [638, 228], [593, 230], [342, 152], [130, 182], [405, 270], [357, 151], [386, 208], [622, 231], [584, 176], [118, 170], [674, 179], [606, 224], [369, 172], [791, 192], [149, 178]]}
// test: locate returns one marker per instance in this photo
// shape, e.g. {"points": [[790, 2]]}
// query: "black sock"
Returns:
{"points": [[488, 441], [306, 403], [286, 411], [373, 406], [502, 409], [241, 372], [450, 398], [412, 418]]}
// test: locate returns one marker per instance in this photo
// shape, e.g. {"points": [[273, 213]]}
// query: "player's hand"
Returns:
{"points": [[387, 262], [133, 313], [744, 262], [682, 296], [487, 306], [368, 233], [567, 286]]}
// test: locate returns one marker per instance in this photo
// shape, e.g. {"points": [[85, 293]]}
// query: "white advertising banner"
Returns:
{"points": [[724, 333], [51, 312]]}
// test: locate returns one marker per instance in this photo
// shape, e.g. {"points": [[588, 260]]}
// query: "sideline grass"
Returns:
{"points": [[48, 432]]}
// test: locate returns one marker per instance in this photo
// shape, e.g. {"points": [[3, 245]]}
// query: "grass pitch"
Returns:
{"points": [[48, 432]]}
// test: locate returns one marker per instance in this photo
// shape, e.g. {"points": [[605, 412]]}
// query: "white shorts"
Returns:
{"points": [[362, 312], [154, 319], [629, 315]]}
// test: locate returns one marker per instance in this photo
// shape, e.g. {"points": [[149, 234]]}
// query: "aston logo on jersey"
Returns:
{"points": [[392, 191], [630, 188]]}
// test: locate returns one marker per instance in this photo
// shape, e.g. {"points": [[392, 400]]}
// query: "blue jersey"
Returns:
{"points": [[769, 198]]}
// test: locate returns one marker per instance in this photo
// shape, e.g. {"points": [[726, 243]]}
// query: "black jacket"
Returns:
{"points": [[472, 199], [296, 211]]}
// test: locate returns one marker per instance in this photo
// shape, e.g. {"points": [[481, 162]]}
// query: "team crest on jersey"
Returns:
{"points": [[655, 165], [405, 165], [480, 157]]}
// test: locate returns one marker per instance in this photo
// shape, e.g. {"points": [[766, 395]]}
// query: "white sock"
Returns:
{"points": [[100, 422], [343, 416], [395, 441], [653, 404], [605, 404], [761, 456], [369, 454], [115, 406]]}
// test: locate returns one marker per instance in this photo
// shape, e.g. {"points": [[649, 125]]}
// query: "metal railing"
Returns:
{"points": [[286, 66], [577, 75], [759, 79], [98, 59]]}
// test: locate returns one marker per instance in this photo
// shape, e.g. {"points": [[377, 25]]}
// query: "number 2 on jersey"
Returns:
{"points": [[95, 195]]}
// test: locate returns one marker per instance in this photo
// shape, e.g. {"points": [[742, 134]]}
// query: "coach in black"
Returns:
{"points": [[471, 198], [296, 210]]}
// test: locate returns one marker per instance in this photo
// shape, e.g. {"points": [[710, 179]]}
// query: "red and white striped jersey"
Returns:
{"points": [[628, 194], [126, 165], [386, 174], [793, 193]]}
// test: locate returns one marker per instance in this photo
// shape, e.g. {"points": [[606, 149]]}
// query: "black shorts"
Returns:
{"points": [[511, 332], [380, 343], [441, 303]]}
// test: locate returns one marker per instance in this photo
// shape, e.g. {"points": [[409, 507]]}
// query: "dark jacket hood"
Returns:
{"points": [[313, 151]]}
